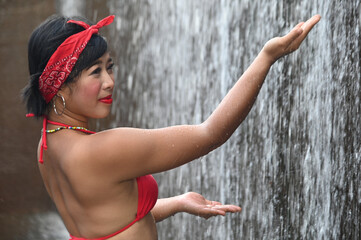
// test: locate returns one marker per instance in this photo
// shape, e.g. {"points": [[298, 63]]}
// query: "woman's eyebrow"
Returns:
{"points": [[95, 63], [99, 62]]}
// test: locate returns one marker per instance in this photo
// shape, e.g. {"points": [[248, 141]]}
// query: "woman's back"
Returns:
{"points": [[90, 203]]}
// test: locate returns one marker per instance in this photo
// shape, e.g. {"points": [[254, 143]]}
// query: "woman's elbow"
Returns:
{"points": [[213, 139]]}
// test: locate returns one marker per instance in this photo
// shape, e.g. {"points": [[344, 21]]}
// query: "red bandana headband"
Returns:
{"points": [[64, 58]]}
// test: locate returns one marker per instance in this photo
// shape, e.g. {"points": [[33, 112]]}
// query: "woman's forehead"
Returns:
{"points": [[103, 59]]}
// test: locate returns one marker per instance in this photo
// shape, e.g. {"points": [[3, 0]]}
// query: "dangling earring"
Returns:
{"points": [[54, 107]]}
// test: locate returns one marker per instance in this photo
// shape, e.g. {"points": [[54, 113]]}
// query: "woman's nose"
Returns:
{"points": [[108, 81]]}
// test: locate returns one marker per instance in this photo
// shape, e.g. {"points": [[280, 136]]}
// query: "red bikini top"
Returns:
{"points": [[147, 197], [147, 186]]}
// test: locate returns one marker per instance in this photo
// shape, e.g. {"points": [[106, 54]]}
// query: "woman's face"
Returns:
{"points": [[90, 96]]}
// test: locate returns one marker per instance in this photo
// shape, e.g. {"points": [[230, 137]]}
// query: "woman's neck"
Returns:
{"points": [[69, 119]]}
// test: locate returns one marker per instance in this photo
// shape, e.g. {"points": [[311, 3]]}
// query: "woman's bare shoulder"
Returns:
{"points": [[103, 154], [126, 153]]}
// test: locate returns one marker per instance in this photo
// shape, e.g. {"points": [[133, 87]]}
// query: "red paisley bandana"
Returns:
{"points": [[64, 58]]}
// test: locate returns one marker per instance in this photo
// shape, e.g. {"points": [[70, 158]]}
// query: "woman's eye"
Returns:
{"points": [[96, 71], [110, 67]]}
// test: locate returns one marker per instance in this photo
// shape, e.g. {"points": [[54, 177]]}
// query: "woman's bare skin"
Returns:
{"points": [[91, 178]]}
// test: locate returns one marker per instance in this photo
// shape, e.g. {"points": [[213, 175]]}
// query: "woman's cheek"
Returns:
{"points": [[91, 91]]}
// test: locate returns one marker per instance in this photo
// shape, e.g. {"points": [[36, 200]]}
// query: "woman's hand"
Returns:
{"points": [[192, 203], [281, 46], [196, 204]]}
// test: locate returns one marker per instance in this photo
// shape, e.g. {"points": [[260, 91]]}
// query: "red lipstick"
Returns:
{"points": [[107, 100]]}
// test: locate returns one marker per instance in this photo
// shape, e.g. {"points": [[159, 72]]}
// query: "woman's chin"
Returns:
{"points": [[102, 115]]}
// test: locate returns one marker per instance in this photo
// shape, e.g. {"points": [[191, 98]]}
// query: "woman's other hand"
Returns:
{"points": [[195, 204], [280, 46]]}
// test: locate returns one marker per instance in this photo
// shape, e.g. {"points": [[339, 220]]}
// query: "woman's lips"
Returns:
{"points": [[107, 99]]}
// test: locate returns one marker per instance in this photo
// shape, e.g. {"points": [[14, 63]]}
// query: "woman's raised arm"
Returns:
{"points": [[128, 153], [238, 102]]}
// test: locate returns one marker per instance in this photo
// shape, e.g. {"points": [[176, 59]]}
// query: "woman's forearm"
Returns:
{"points": [[165, 207], [237, 103]]}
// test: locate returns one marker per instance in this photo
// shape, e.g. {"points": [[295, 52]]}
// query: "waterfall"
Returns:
{"points": [[71, 8], [293, 165]]}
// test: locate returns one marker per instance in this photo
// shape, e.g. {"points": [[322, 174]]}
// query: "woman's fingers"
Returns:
{"points": [[280, 46], [301, 30], [215, 211], [295, 37], [216, 208], [228, 208], [293, 34], [310, 23], [307, 26], [212, 203], [299, 25]]}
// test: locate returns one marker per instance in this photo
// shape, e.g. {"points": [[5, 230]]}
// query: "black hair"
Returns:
{"points": [[43, 42]]}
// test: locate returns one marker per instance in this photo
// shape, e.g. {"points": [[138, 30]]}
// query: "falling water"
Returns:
{"points": [[294, 163], [71, 7]]}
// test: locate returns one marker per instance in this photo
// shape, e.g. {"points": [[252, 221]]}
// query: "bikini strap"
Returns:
{"points": [[43, 141]]}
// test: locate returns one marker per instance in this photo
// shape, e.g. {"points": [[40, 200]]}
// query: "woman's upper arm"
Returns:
{"points": [[128, 152]]}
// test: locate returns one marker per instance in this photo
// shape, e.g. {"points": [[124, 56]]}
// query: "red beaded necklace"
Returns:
{"points": [[62, 126]]}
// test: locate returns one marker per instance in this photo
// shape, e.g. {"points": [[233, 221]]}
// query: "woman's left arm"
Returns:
{"points": [[192, 203]]}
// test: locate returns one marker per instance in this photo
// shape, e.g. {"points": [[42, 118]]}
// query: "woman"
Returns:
{"points": [[100, 182]]}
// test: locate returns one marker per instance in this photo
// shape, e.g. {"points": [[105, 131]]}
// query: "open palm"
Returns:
{"points": [[196, 204], [279, 46]]}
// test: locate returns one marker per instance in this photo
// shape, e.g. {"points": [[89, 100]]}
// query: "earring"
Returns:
{"points": [[54, 107]]}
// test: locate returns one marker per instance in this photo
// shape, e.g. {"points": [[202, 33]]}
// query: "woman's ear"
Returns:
{"points": [[64, 91]]}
